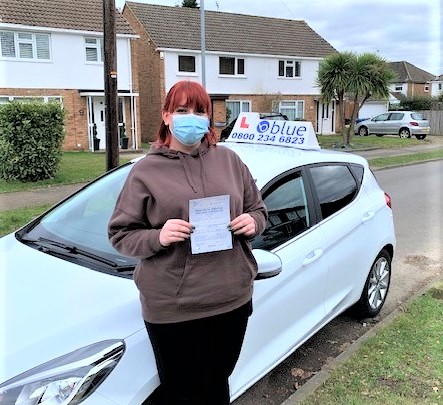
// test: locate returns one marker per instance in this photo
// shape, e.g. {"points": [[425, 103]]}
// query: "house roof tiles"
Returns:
{"points": [[179, 28], [84, 15], [406, 72]]}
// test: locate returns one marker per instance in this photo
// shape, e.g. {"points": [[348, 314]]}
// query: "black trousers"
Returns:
{"points": [[195, 358]]}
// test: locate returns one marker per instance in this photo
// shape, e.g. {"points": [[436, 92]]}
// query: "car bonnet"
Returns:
{"points": [[51, 307]]}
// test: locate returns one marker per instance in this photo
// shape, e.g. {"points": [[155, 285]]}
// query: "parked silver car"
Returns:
{"points": [[402, 123]]}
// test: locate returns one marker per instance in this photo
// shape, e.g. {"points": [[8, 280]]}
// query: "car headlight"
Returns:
{"points": [[68, 379]]}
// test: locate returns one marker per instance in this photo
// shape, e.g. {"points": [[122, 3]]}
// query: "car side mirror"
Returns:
{"points": [[269, 264]]}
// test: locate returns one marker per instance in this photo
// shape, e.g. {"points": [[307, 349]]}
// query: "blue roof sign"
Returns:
{"points": [[250, 128]]}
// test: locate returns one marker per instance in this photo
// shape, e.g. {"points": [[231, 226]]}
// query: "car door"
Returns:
{"points": [[377, 125], [289, 306], [393, 123], [348, 214]]}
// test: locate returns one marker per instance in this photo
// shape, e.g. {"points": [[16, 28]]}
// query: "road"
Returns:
{"points": [[418, 208]]}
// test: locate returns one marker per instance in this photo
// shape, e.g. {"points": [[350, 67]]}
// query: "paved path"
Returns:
{"points": [[53, 194]]}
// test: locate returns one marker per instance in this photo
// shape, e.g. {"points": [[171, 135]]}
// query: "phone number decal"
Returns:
{"points": [[266, 138]]}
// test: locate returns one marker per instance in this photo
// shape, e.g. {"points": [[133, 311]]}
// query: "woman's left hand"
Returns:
{"points": [[244, 224]]}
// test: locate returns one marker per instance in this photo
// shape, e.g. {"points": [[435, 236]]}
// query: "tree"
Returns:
{"points": [[190, 3], [356, 77], [333, 81]]}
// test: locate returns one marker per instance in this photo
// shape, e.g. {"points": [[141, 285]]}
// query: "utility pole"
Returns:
{"points": [[110, 80], [203, 41]]}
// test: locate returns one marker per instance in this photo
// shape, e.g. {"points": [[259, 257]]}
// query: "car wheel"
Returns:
{"points": [[420, 136], [363, 131], [404, 133], [376, 288]]}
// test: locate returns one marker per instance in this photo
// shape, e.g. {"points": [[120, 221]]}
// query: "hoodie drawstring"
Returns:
{"points": [[203, 171], [187, 172]]}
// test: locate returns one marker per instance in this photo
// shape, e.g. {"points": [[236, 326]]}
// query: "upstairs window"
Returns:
{"points": [[25, 45], [288, 68], [231, 66], [94, 50], [186, 63], [398, 87]]}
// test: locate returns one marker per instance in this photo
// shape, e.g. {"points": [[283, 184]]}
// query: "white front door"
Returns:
{"points": [[98, 107], [325, 116]]}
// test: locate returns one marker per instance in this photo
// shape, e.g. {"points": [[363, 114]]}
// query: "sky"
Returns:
{"points": [[398, 30]]}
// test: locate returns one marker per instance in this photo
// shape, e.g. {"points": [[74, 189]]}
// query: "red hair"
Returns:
{"points": [[195, 97]]}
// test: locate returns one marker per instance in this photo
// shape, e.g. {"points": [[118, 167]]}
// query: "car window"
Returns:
{"points": [[335, 187], [418, 116], [358, 171], [82, 221], [381, 117], [396, 116], [287, 210]]}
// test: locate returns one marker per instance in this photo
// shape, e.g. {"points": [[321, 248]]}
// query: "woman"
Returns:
{"points": [[195, 306]]}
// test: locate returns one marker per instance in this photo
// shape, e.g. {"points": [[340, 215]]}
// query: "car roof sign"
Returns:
{"points": [[250, 128]]}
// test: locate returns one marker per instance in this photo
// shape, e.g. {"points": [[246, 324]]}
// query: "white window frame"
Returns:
{"points": [[98, 46], [426, 88], [45, 99], [289, 63], [40, 44], [244, 106], [235, 74], [298, 108]]}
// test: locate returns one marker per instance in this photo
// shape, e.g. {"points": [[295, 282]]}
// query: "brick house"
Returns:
{"points": [[53, 50], [411, 81], [252, 63]]}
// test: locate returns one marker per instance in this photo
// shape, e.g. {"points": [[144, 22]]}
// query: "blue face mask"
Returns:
{"points": [[189, 129]]}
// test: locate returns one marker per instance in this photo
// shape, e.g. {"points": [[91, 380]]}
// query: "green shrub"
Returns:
{"points": [[416, 103], [31, 136]]}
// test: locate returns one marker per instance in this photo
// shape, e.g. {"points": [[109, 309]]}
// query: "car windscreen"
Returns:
{"points": [[82, 220]]}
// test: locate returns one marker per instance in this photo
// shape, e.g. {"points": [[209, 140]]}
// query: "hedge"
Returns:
{"points": [[31, 137]]}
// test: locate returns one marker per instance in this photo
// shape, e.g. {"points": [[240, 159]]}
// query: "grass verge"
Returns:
{"points": [[405, 159], [375, 142], [11, 220], [401, 364], [75, 167]]}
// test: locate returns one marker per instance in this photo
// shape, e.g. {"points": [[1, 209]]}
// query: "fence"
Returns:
{"points": [[435, 118]]}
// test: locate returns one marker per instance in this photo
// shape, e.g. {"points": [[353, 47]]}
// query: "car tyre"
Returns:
{"points": [[420, 136], [363, 131], [376, 288], [404, 133]]}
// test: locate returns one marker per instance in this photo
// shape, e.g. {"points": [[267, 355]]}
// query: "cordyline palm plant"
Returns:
{"points": [[356, 77]]}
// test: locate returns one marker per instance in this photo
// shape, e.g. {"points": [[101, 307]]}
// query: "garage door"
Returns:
{"points": [[370, 110]]}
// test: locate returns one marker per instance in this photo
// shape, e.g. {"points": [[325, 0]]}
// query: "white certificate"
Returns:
{"points": [[210, 217]]}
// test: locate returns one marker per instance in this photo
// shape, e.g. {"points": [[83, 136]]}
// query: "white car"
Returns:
{"points": [[401, 123], [72, 330]]}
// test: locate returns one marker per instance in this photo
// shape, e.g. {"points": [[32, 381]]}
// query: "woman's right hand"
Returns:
{"points": [[175, 230]]}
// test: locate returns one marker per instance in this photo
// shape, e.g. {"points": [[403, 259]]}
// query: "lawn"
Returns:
{"points": [[79, 167], [375, 142], [11, 220], [75, 167], [401, 364]]}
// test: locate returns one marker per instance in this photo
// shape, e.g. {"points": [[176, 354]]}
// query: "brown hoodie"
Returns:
{"points": [[174, 284]]}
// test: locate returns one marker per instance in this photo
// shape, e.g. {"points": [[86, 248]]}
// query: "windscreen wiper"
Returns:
{"points": [[45, 245]]}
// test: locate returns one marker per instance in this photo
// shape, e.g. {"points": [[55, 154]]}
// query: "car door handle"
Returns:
{"points": [[312, 257], [368, 216]]}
